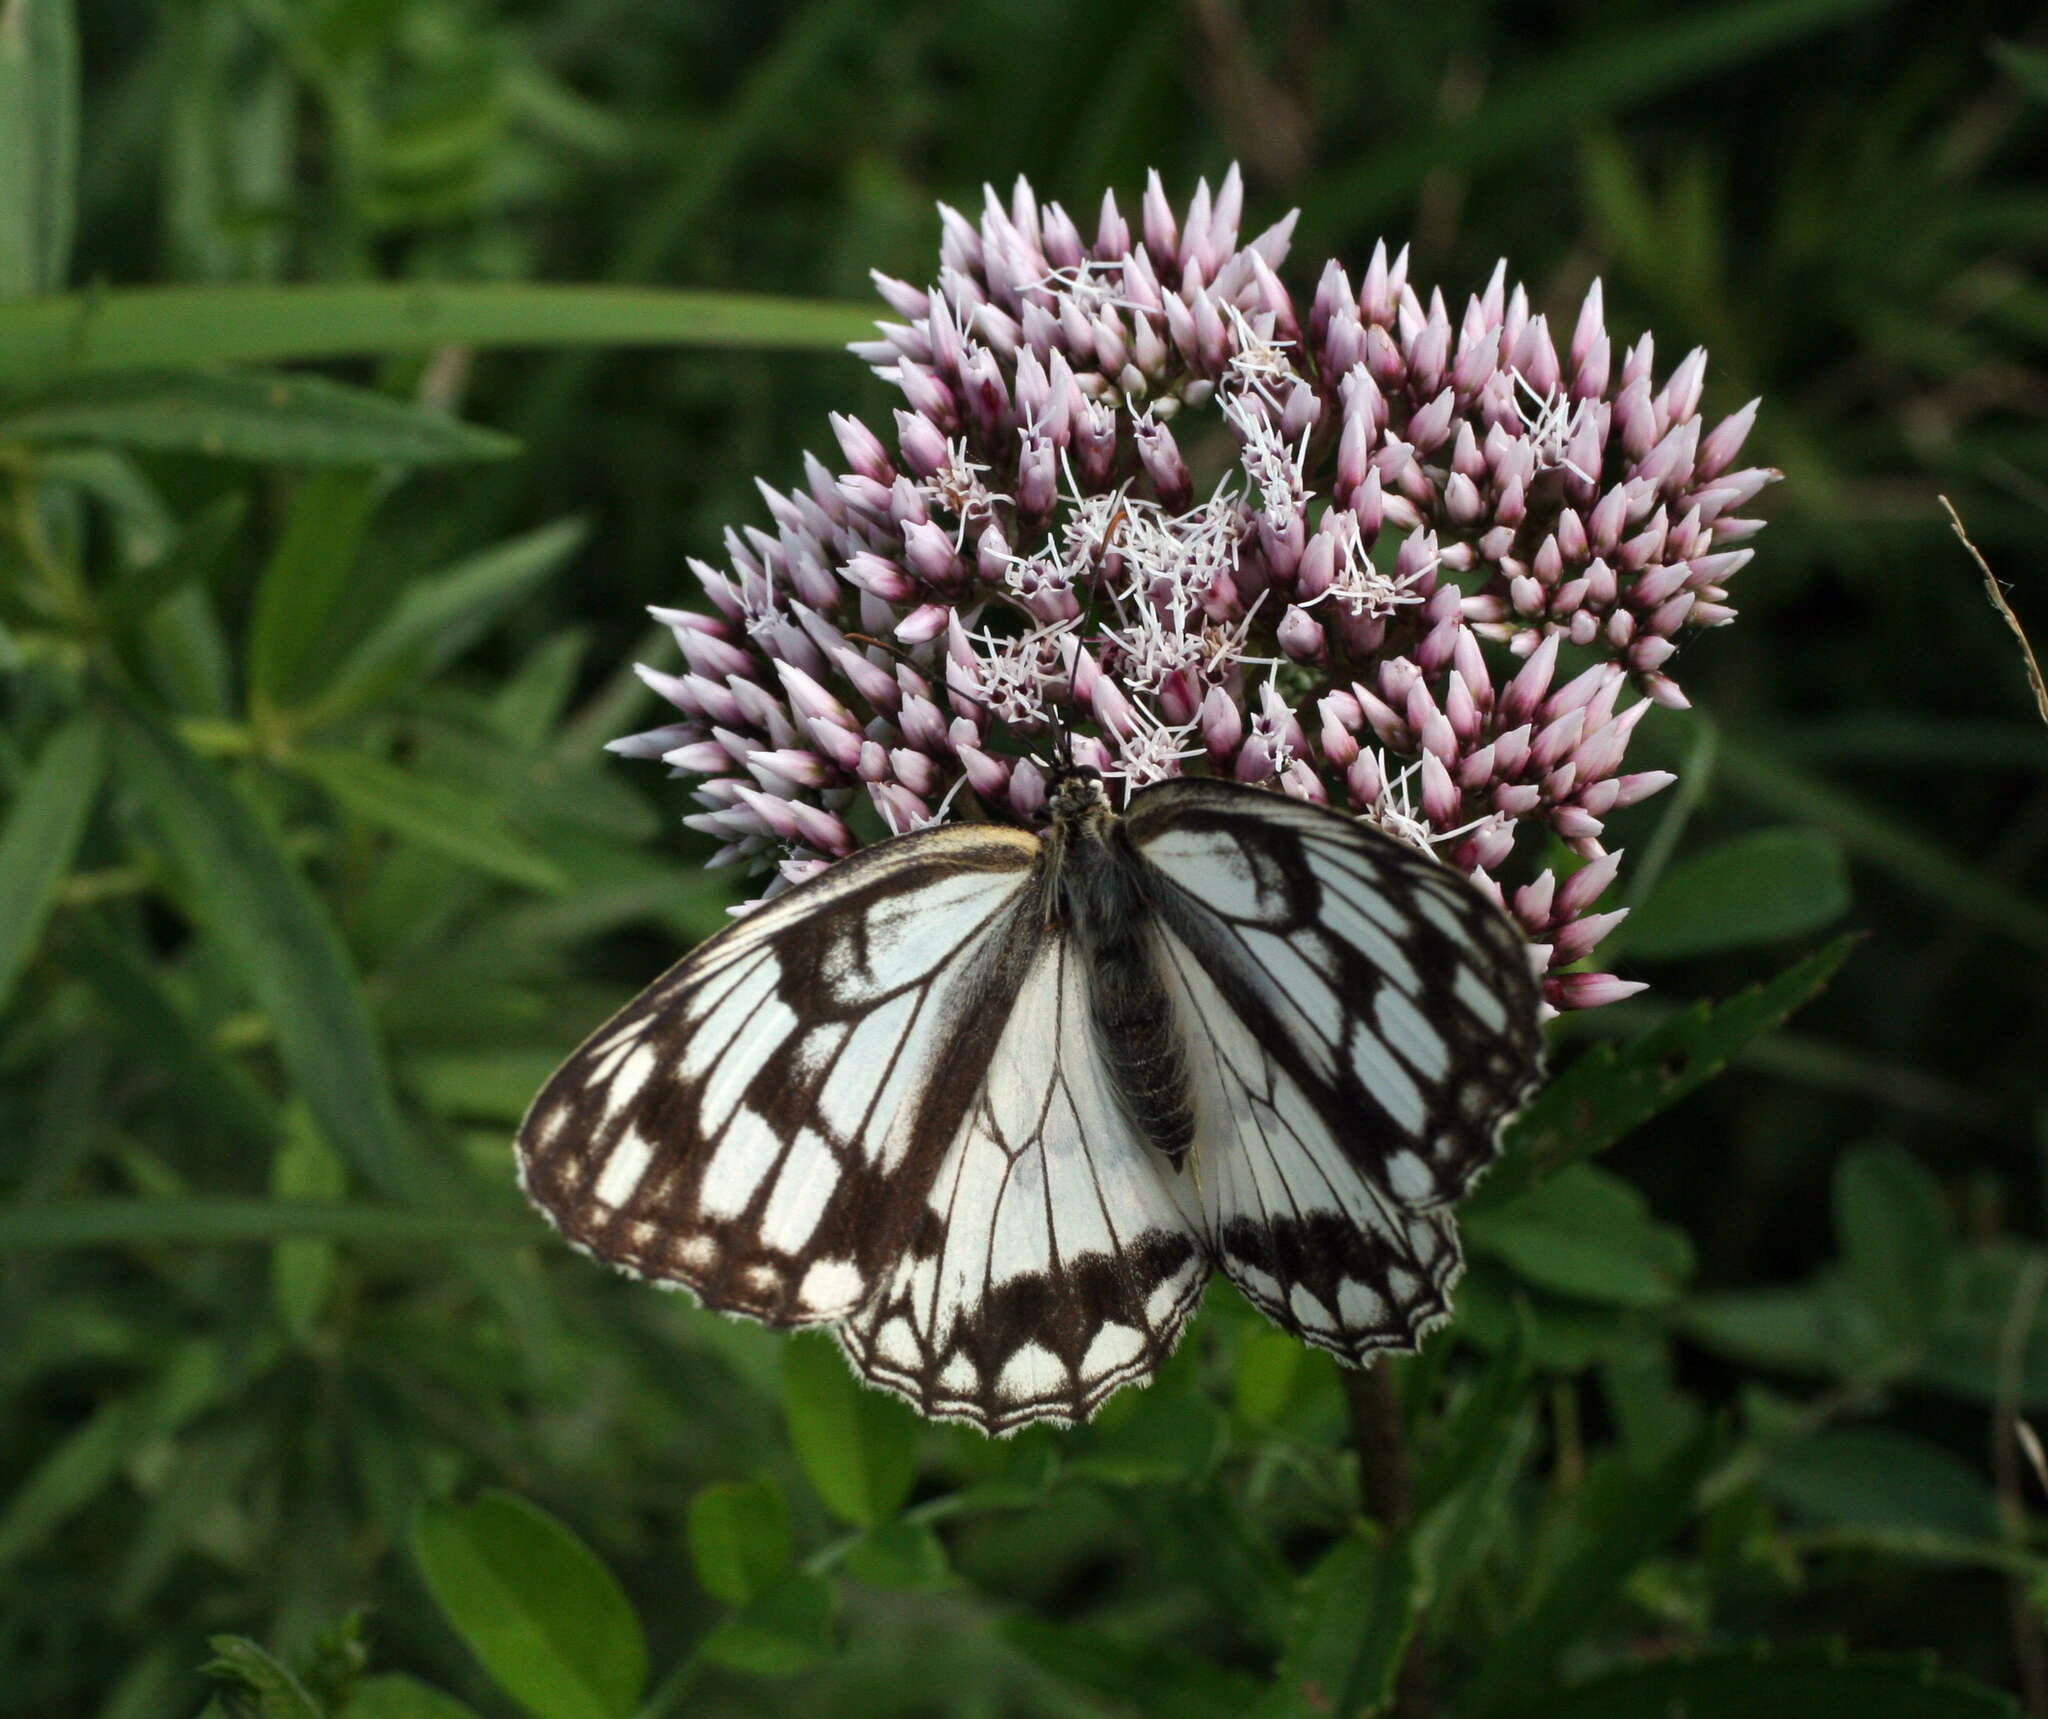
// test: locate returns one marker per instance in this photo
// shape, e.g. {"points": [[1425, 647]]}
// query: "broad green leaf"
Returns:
{"points": [[44, 824], [1352, 1622], [1565, 1336], [1878, 1477], [535, 1605], [252, 902], [464, 826], [38, 144], [87, 1460], [438, 617], [172, 327], [901, 1554], [1823, 1328], [254, 1685], [1264, 1372], [1761, 888], [786, 1630], [1963, 1354], [250, 415], [856, 1445], [1523, 1657], [739, 1539], [1587, 1234], [1763, 1683], [1608, 1092], [393, 1695], [302, 1272], [291, 644], [1893, 1232], [206, 1222], [1160, 1434]]}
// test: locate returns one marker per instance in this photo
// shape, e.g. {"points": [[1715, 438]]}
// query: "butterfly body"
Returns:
{"points": [[992, 1105]]}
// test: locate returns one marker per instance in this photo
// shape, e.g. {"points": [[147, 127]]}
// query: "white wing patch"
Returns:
{"points": [[1055, 1263]]}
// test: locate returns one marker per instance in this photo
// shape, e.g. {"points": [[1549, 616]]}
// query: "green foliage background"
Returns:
{"points": [[366, 365]]}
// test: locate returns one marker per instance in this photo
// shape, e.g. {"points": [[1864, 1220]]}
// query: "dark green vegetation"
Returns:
{"points": [[311, 867]]}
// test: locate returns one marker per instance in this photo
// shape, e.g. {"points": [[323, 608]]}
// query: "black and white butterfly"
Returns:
{"points": [[993, 1104]]}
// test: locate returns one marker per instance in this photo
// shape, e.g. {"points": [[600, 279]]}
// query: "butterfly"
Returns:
{"points": [[993, 1105]]}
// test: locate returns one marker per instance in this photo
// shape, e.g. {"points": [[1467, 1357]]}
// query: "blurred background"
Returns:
{"points": [[1842, 200]]}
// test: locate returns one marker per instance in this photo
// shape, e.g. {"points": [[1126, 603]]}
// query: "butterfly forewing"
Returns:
{"points": [[1052, 1263], [761, 1123]]}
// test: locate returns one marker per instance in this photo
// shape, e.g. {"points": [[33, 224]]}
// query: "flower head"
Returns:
{"points": [[1143, 511]]}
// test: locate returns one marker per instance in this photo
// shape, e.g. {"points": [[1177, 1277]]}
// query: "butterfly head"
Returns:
{"points": [[1077, 791]]}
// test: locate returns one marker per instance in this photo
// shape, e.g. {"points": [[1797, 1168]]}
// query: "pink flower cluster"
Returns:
{"points": [[1144, 506]]}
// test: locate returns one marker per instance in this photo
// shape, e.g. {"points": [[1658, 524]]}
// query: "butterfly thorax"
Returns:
{"points": [[1095, 888]]}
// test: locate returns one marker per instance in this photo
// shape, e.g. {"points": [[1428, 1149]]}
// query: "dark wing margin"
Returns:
{"points": [[761, 1124]]}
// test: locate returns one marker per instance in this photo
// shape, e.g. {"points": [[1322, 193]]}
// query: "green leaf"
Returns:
{"points": [[535, 1605], [856, 1445], [38, 144], [2027, 67], [739, 1539], [1161, 1434], [1352, 1621], [1878, 1477], [1131, 1672], [202, 1222], [466, 827], [172, 327], [201, 547], [1821, 1328], [393, 1695], [254, 905], [255, 1686], [438, 617], [44, 825], [1893, 1232], [786, 1630], [302, 1272], [1761, 888], [1804, 1683], [900, 1555], [1471, 1433], [1653, 1507], [251, 415], [1588, 1234], [291, 642], [1606, 1093], [84, 1463]]}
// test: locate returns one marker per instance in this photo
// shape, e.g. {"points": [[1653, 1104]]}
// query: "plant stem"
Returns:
{"points": [[1386, 1487]]}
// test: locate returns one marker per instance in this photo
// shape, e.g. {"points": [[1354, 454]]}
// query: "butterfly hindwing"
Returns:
{"points": [[759, 1124], [1052, 1264]]}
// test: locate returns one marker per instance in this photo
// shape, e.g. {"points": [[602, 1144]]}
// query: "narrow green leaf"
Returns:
{"points": [[1753, 771], [254, 1685], [302, 1271], [206, 1222], [38, 144], [464, 826], [739, 1539], [1760, 888], [173, 327], [89, 1459], [1893, 1230], [251, 415], [42, 833], [253, 903], [1472, 1432], [393, 1695], [856, 1445], [535, 1605], [201, 547], [786, 1630], [291, 643], [1767, 1683], [1606, 1093], [1352, 1621], [437, 618], [1523, 1657], [1588, 1234]]}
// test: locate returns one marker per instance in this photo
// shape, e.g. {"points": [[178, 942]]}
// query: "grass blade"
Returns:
{"points": [[43, 829]]}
